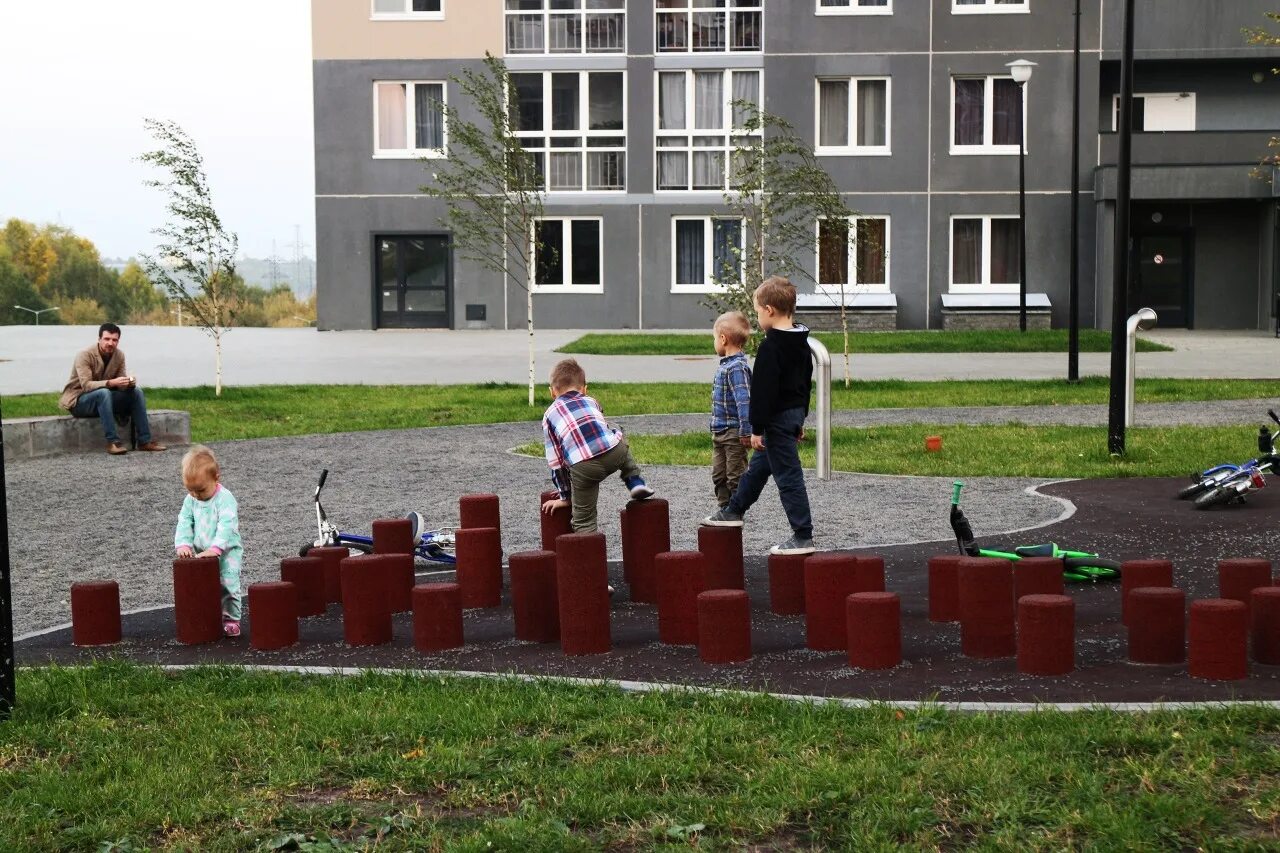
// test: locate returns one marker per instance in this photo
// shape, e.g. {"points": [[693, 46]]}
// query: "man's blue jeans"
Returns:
{"points": [[781, 459], [105, 402]]}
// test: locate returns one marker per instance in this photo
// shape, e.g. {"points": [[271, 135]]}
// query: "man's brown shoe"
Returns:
{"points": [[153, 446], [115, 448]]}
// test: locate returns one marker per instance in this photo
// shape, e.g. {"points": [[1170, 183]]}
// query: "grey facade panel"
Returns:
{"points": [[793, 27], [1186, 29]]}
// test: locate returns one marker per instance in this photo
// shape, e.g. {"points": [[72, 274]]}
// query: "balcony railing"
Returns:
{"points": [[712, 31], [566, 32], [1192, 147]]}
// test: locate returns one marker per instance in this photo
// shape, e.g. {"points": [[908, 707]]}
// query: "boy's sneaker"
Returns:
{"points": [[639, 491], [231, 628], [723, 518], [794, 545]]}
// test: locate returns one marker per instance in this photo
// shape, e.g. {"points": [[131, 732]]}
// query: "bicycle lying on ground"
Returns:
{"points": [[436, 546], [1077, 566], [1227, 484]]}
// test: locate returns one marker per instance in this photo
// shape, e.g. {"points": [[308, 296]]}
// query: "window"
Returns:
{"points": [[567, 255], [864, 129], [572, 123], [1155, 113], [853, 253], [985, 254], [985, 115], [408, 10], [696, 126], [709, 26], [408, 119], [566, 26], [707, 253], [971, 7], [855, 7]]}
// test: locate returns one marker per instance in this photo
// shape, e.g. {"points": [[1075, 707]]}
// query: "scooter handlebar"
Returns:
{"points": [[324, 474]]}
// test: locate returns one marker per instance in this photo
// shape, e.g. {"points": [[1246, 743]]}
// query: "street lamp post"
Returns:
{"points": [[34, 311], [1021, 70]]}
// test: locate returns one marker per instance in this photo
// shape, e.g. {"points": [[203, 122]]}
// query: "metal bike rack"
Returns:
{"points": [[1144, 319], [822, 360]]}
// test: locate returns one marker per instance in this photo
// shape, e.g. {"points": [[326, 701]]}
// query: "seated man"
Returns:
{"points": [[99, 386]]}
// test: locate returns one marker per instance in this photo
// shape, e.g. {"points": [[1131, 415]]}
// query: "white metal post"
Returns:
{"points": [[822, 359], [1144, 319]]}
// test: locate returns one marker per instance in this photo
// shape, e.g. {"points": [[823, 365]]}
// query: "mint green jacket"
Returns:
{"points": [[214, 523]]}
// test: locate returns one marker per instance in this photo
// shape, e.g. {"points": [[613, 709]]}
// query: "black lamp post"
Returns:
{"points": [[8, 687], [1123, 248], [1021, 71], [1073, 320]]}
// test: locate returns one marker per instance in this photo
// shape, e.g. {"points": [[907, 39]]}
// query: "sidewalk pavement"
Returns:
{"points": [[38, 359]]}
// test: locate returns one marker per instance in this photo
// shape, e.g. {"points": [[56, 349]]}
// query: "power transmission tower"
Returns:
{"points": [[273, 267], [298, 245]]}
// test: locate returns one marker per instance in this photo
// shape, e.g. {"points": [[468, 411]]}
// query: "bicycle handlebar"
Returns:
{"points": [[1274, 416], [324, 473], [955, 492]]}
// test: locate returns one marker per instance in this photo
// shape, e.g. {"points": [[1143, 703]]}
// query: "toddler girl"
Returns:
{"points": [[209, 526]]}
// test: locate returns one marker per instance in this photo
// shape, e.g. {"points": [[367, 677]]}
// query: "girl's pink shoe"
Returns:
{"points": [[231, 628]]}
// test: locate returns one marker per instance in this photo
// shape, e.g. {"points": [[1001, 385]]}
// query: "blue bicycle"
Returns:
{"points": [[436, 546], [1223, 484]]}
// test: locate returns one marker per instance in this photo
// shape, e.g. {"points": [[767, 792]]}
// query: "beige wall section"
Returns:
{"points": [[343, 29]]}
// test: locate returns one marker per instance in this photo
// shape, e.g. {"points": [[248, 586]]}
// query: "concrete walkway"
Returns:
{"points": [[38, 359]]}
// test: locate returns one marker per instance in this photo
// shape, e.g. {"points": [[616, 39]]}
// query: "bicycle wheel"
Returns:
{"points": [[1191, 491], [352, 546], [1092, 568], [1214, 497]]}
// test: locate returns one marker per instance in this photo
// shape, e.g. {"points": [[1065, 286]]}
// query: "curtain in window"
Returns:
{"points": [[871, 249], [726, 250], [1006, 113], [966, 251], [872, 112], [392, 103], [708, 168], [833, 251], [671, 112], [549, 251], [970, 106], [690, 251], [833, 113], [673, 167], [708, 100], [428, 115], [1005, 251], [388, 7], [746, 87]]}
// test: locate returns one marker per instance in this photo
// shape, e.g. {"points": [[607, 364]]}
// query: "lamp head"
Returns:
{"points": [[1021, 70], [1146, 319]]}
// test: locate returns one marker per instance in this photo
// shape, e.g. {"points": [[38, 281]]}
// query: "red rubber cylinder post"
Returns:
{"points": [[479, 566], [944, 589], [1038, 576], [95, 613], [987, 616], [786, 584], [1264, 626], [366, 618], [273, 615], [307, 576], [648, 527], [874, 622], [332, 558], [868, 576], [197, 600], [1237, 579], [479, 511], [582, 591], [554, 523], [535, 602], [437, 617], [1218, 639], [1157, 625], [722, 546], [1136, 574], [724, 626], [1046, 634], [400, 578], [682, 576], [628, 547], [393, 536], [829, 579]]}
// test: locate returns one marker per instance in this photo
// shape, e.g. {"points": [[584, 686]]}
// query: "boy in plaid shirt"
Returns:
{"points": [[730, 405], [582, 449]]}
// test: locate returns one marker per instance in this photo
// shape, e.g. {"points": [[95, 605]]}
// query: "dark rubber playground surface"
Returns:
{"points": [[1121, 519]]}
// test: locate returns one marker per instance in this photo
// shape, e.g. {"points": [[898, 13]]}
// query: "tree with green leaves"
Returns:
{"points": [[195, 260], [1263, 37], [493, 187]]}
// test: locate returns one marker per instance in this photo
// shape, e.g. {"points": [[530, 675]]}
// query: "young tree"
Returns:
{"points": [[493, 187], [1263, 37], [195, 258]]}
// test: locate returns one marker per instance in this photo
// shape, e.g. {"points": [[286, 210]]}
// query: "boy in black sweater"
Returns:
{"points": [[780, 385]]}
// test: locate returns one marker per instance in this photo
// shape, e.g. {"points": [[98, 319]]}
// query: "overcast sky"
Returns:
{"points": [[78, 76]]}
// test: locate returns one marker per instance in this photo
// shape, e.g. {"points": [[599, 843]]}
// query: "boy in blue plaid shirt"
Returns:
{"points": [[730, 405]]}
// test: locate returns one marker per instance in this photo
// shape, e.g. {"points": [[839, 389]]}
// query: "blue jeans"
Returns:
{"points": [[781, 459], [105, 402]]}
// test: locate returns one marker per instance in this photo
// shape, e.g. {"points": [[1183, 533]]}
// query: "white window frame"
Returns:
{"points": [[584, 109], [546, 14], [566, 258], [988, 117], [851, 149], [747, 7], [853, 9], [990, 7], [852, 264], [1177, 96], [410, 120], [708, 254], [406, 15], [986, 285], [728, 131]]}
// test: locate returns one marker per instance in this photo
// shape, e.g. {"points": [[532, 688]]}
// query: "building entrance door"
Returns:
{"points": [[1164, 277], [413, 281]]}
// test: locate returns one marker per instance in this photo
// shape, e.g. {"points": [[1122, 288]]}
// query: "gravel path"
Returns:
{"points": [[85, 516]]}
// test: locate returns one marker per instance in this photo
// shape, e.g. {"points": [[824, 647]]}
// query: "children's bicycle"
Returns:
{"points": [[1227, 484], [1077, 566], [436, 546]]}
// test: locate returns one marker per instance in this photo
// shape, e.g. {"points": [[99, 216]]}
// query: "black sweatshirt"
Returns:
{"points": [[782, 377]]}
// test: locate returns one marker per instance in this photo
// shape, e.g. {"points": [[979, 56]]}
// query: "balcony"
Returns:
{"points": [[1202, 164], [560, 33], [1192, 148], [685, 26]]}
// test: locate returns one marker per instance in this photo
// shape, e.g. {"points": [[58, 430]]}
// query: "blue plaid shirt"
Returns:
{"points": [[731, 395], [574, 430]]}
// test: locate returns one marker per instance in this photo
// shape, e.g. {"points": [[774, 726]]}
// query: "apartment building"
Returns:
{"points": [[910, 104]]}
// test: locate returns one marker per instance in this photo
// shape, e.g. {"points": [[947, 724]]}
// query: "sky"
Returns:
{"points": [[77, 77]]}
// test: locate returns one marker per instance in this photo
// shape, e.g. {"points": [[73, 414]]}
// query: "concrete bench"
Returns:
{"points": [[33, 438]]}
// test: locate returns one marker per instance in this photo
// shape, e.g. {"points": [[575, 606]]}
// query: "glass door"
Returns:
{"points": [[1164, 277], [413, 282]]}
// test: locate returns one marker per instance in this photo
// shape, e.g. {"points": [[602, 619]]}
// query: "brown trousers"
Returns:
{"points": [[728, 463], [586, 476]]}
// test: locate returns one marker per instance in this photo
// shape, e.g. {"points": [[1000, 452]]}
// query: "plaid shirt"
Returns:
{"points": [[574, 430], [731, 395]]}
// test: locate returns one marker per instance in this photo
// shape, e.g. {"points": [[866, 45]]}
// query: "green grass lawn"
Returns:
{"points": [[277, 410], [221, 760], [1091, 340]]}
